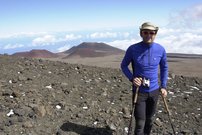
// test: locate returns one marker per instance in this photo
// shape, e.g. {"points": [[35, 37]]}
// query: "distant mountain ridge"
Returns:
{"points": [[85, 49], [90, 50]]}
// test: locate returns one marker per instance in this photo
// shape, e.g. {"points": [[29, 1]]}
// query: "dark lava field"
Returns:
{"points": [[41, 97]]}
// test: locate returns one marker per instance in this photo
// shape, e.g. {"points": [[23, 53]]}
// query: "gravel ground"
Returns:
{"points": [[41, 97]]}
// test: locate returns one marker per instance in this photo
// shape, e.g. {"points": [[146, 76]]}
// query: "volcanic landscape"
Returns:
{"points": [[49, 97]]}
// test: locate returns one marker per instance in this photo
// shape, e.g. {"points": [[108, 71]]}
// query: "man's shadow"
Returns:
{"points": [[84, 130]]}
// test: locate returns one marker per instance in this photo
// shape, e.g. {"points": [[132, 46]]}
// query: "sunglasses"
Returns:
{"points": [[149, 32]]}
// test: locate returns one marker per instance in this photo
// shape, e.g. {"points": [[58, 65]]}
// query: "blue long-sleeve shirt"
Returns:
{"points": [[145, 60]]}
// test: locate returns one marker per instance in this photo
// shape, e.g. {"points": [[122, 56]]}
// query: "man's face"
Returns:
{"points": [[148, 36]]}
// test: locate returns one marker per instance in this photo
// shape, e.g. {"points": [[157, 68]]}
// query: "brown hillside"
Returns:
{"points": [[92, 49], [36, 54]]}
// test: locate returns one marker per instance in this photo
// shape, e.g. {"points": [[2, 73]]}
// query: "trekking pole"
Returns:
{"points": [[130, 128], [168, 112]]}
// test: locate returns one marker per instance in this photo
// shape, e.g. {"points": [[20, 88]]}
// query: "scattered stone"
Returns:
{"points": [[39, 97]]}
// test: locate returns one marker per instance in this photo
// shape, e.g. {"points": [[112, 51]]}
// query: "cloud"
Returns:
{"points": [[72, 37], [22, 34], [13, 46], [126, 34], [103, 35], [181, 41], [174, 40], [190, 17], [64, 48], [45, 40], [108, 35], [194, 13], [123, 44], [52, 39], [183, 34]]}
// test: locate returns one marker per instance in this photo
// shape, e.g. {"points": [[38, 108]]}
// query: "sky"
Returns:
{"points": [[58, 25]]}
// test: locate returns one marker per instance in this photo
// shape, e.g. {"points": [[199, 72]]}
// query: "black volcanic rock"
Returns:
{"points": [[36, 54], [92, 49], [42, 97]]}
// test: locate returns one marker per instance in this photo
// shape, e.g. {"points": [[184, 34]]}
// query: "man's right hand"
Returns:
{"points": [[137, 81]]}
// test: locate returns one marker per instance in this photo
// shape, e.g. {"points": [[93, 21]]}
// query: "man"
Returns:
{"points": [[145, 58]]}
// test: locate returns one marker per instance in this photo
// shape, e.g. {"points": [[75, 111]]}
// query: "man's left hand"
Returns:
{"points": [[163, 92]]}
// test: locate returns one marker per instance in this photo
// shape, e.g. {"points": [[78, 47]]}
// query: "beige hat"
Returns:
{"points": [[148, 26]]}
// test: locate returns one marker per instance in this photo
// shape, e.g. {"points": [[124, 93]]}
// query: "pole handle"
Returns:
{"points": [[136, 94], [165, 103]]}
